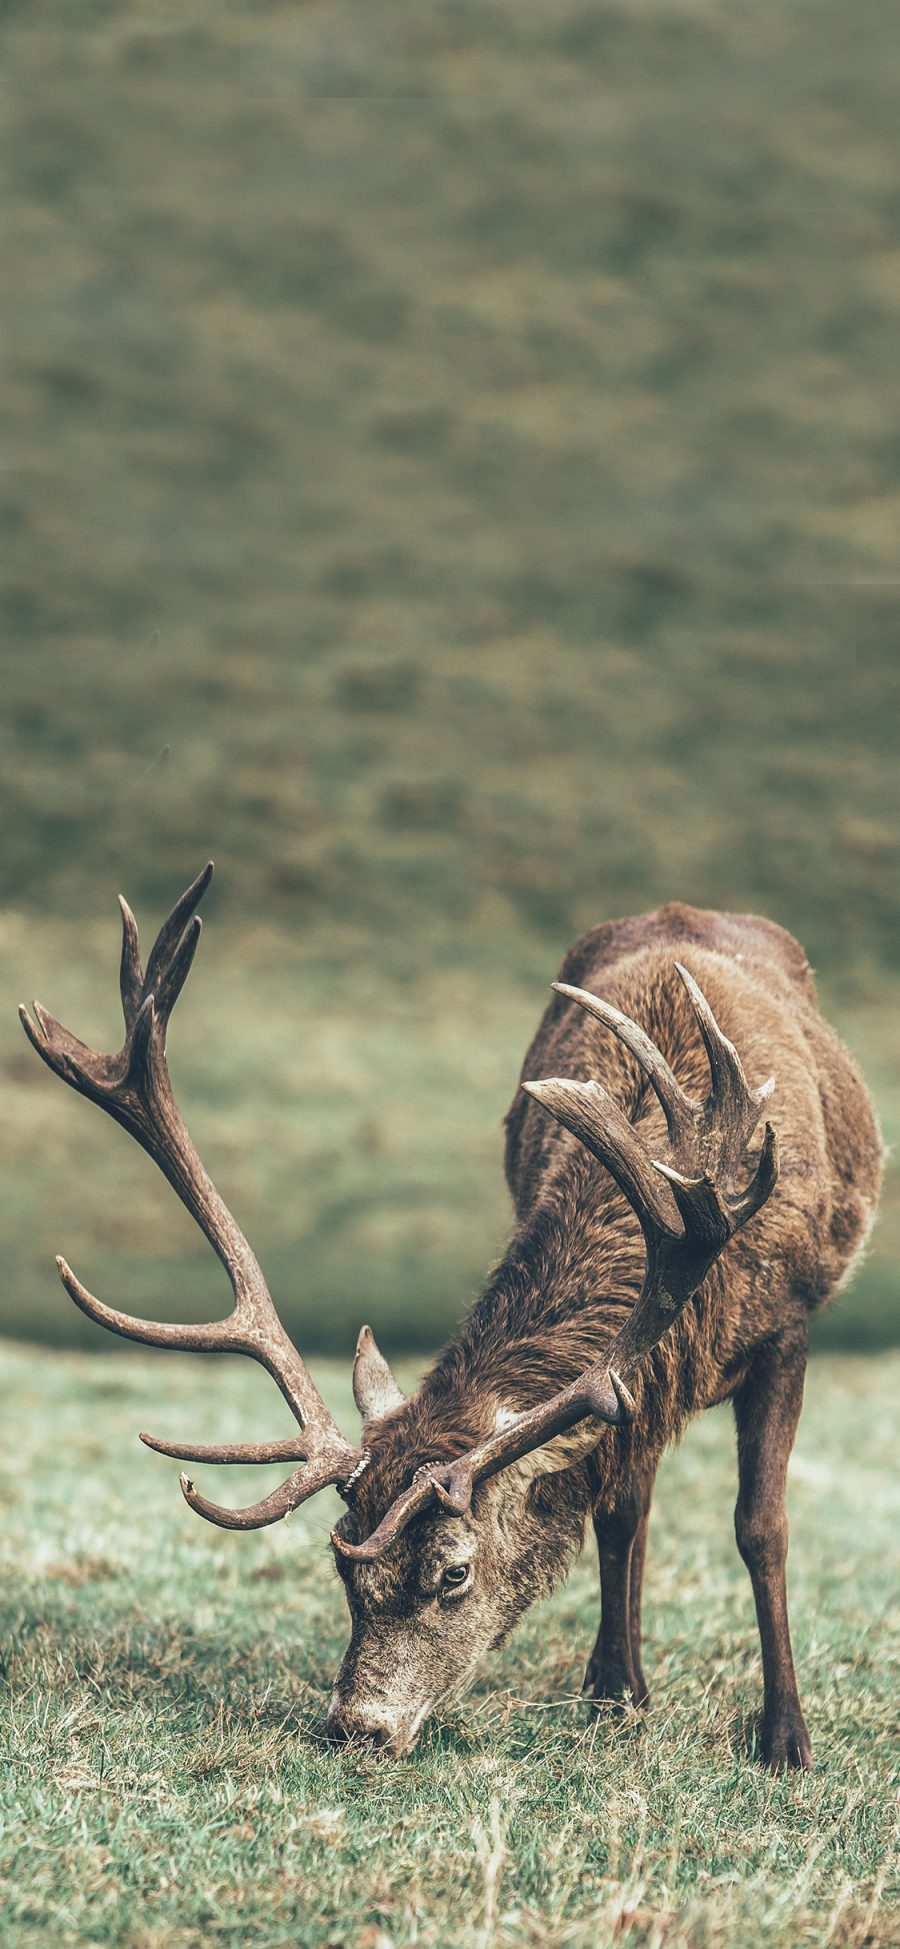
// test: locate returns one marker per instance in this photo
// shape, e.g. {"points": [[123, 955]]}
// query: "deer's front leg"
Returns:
{"points": [[767, 1410], [614, 1670]]}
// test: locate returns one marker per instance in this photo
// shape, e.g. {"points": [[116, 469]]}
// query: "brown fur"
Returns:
{"points": [[575, 1267]]}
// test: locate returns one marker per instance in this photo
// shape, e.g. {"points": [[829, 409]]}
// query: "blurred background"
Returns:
{"points": [[452, 477]]}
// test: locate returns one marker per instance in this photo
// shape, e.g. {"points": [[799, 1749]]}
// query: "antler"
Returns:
{"points": [[134, 1087], [687, 1208]]}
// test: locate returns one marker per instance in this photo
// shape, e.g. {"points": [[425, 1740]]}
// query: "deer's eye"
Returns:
{"points": [[455, 1575]]}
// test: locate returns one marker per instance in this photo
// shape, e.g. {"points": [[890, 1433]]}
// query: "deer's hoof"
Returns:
{"points": [[614, 1691], [786, 1744]]}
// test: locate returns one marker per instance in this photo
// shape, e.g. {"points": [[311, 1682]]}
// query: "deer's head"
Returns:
{"points": [[451, 1528], [442, 1585]]}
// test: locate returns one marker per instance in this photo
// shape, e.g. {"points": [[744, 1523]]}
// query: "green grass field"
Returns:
{"points": [[163, 1785]]}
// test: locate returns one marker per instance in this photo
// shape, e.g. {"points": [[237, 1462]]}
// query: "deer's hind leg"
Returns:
{"points": [[614, 1672], [767, 1410]]}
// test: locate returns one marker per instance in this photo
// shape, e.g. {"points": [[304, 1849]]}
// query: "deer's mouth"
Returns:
{"points": [[349, 1724]]}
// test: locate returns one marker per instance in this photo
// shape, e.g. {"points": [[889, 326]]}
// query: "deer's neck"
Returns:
{"points": [[567, 1283], [557, 1299]]}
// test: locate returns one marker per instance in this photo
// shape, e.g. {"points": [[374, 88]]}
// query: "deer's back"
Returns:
{"points": [[758, 981]]}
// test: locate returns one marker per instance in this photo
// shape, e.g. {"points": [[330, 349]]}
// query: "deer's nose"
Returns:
{"points": [[343, 1724]]}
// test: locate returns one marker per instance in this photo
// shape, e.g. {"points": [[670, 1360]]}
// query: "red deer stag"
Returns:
{"points": [[663, 1261]]}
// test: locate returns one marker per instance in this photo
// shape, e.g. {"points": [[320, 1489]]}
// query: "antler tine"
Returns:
{"points": [[134, 985], [258, 1515], [324, 1468], [762, 1183], [134, 1088], [131, 974], [676, 1104], [214, 1336], [292, 1450], [694, 1187], [593, 1116], [161, 963], [730, 1091]]}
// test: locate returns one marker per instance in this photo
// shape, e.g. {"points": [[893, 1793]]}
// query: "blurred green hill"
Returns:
{"points": [[452, 477]]}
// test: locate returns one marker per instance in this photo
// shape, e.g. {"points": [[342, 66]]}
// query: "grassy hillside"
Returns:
{"points": [[163, 1786], [450, 478]]}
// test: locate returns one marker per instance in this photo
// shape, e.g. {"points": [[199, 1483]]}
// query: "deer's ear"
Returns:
{"points": [[375, 1389]]}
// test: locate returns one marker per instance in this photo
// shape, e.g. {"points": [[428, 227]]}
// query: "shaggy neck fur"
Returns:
{"points": [[558, 1298]]}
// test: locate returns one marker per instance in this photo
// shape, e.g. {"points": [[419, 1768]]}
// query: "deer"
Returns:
{"points": [[667, 1254]]}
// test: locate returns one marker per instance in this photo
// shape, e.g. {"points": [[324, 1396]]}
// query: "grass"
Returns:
{"points": [[448, 479], [163, 1785]]}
